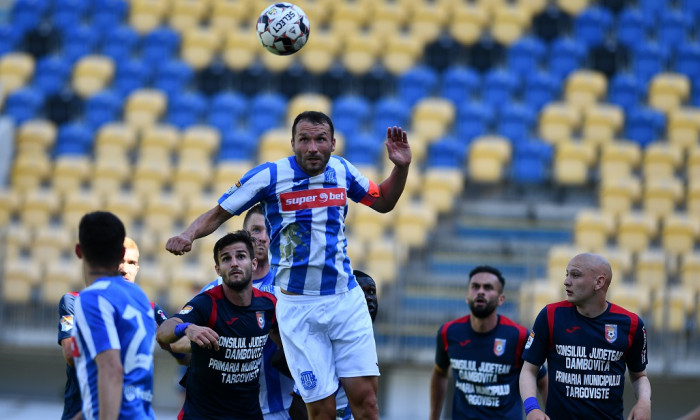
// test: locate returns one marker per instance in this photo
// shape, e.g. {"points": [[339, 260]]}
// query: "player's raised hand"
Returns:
{"points": [[397, 146], [204, 337], [179, 245]]}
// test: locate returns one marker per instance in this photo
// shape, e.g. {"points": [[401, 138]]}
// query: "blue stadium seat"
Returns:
{"points": [[626, 91], [102, 108], [350, 113], [389, 112], [227, 110], [173, 77], [459, 83], [23, 104], [632, 27], [238, 145], [653, 8], [446, 152], [159, 46], [515, 121], [648, 59], [186, 109], [473, 119], [416, 84], [499, 86], [131, 75], [363, 149], [692, 8], [644, 125], [73, 138], [51, 74], [78, 42], [565, 56], [109, 14], [267, 110], [525, 55], [688, 61], [591, 26], [120, 43], [531, 161], [10, 35], [27, 14], [673, 29], [68, 13], [539, 88]]}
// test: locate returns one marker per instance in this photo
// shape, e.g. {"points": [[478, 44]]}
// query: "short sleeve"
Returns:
{"points": [[159, 314], [197, 310], [637, 356], [537, 344], [442, 359], [65, 317]]}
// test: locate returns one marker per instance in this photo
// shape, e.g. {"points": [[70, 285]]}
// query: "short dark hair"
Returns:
{"points": [[314, 117], [361, 274], [491, 270], [256, 209], [101, 236], [232, 238]]}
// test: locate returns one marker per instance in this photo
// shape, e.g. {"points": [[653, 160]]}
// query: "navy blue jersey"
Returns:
{"points": [[71, 395], [224, 384], [586, 358], [486, 367]]}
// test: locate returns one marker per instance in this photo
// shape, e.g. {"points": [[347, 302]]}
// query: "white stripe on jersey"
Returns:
{"points": [[107, 312], [81, 362]]}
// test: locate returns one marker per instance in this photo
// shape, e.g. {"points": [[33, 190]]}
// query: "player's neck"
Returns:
{"points": [[262, 270], [592, 309], [92, 273], [484, 325], [239, 298]]}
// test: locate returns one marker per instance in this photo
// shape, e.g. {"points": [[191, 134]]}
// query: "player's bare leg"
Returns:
{"points": [[322, 409], [362, 395]]}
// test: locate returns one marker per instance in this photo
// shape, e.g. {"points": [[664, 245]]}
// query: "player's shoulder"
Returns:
{"points": [[619, 310], [455, 323], [506, 322], [263, 295], [68, 298]]}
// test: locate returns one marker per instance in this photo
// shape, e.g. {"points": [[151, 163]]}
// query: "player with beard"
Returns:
{"points": [[228, 326], [485, 350]]}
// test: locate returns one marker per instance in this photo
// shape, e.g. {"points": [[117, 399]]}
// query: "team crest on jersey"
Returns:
{"points": [[234, 188], [530, 339], [260, 316], [187, 309], [66, 323], [308, 380], [329, 176], [499, 346], [611, 332]]}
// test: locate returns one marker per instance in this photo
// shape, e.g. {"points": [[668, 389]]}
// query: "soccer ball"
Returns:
{"points": [[283, 28]]}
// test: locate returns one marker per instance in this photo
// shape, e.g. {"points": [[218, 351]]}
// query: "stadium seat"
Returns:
{"points": [[350, 114], [120, 43], [584, 88], [650, 269], [146, 15], [159, 46], [678, 233], [320, 52], [161, 212], [173, 77], [601, 124], [509, 23], [525, 55], [184, 15], [108, 14], [432, 118], [109, 173], [240, 49], [539, 89], [488, 156], [458, 84], [618, 159], [199, 46], [70, 172], [683, 129], [633, 297], [199, 140], [473, 119], [427, 20], [413, 224], [29, 171], [131, 76], [617, 195], [416, 84], [661, 160], [515, 122], [51, 74], [75, 205], [441, 187], [389, 112], [186, 109], [446, 152], [360, 52], [226, 14], [687, 60], [348, 17], [38, 208], [9, 202], [667, 91], [274, 145], [572, 161], [16, 69], [91, 74], [74, 138], [690, 271], [267, 110], [648, 59], [368, 224], [144, 107], [18, 279], [228, 172], [538, 294], [500, 85], [572, 7], [159, 141], [35, 136], [632, 27], [661, 195], [565, 56], [670, 309], [692, 199], [625, 91], [387, 17], [115, 136], [382, 261], [673, 28], [23, 105], [10, 36], [401, 52], [592, 229], [102, 108], [127, 205], [79, 41], [644, 125], [467, 22], [306, 102], [531, 162], [635, 230], [151, 175], [557, 122]]}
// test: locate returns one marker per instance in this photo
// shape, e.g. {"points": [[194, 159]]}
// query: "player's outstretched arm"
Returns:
{"points": [[528, 389], [642, 389], [110, 379], [400, 154], [173, 329], [438, 388], [202, 226]]}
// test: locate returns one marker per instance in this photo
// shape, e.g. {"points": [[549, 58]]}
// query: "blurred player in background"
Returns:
{"points": [[128, 268], [588, 344], [304, 199], [113, 336], [485, 350], [229, 326]]}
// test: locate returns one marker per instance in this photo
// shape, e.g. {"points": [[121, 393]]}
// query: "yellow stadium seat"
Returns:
{"points": [[387, 17], [199, 46], [428, 20], [617, 195], [693, 165], [228, 172], [650, 269], [584, 88], [618, 159], [241, 48], [117, 135], [360, 52], [558, 259], [509, 23], [29, 171], [146, 15], [91, 74], [70, 172], [274, 144], [690, 271], [16, 68], [432, 118], [320, 51], [557, 122], [467, 22], [126, 205], [152, 277], [9, 204], [683, 129], [317, 11], [382, 261], [227, 14], [633, 297], [491, 5], [18, 237], [192, 176], [164, 137], [678, 233], [348, 17], [367, 223], [572, 7], [661, 160], [670, 309], [150, 176], [35, 136], [192, 275], [307, 102], [144, 107], [48, 244], [621, 261], [161, 213], [536, 295], [533, 7], [591, 229], [187, 14], [75, 205], [441, 187], [38, 207], [200, 139], [413, 224], [16, 291], [109, 173], [661, 196], [692, 200], [277, 63], [488, 156], [635, 231], [572, 162], [401, 52], [668, 90], [601, 122], [357, 250]]}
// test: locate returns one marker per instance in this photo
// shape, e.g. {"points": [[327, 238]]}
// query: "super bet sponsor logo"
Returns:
{"points": [[323, 197]]}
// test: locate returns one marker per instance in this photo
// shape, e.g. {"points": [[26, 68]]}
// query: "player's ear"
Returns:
{"points": [[216, 268], [501, 299], [78, 251], [333, 145], [292, 141], [254, 263]]}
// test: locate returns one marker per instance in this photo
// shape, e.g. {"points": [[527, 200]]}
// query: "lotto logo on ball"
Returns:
{"points": [[283, 28]]}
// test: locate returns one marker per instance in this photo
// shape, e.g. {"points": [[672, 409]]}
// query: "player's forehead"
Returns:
{"points": [[578, 264], [131, 254], [484, 278], [307, 128], [366, 283], [234, 249], [256, 220]]}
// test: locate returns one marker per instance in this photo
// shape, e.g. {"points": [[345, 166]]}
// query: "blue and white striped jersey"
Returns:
{"points": [[305, 218], [115, 314]]}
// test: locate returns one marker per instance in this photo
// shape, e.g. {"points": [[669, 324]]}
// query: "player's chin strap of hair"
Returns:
{"points": [[530, 404]]}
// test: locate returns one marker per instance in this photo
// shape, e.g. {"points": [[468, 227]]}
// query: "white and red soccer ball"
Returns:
{"points": [[283, 28]]}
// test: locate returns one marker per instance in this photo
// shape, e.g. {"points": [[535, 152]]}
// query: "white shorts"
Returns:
{"points": [[326, 338], [277, 415]]}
